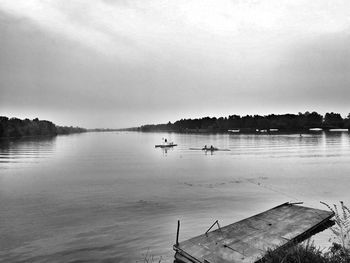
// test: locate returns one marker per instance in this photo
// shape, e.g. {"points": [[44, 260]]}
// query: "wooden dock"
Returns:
{"points": [[248, 240]]}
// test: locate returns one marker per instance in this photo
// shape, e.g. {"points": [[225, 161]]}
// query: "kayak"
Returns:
{"points": [[165, 145]]}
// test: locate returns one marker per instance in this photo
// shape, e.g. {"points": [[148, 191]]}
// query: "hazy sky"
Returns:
{"points": [[106, 63]]}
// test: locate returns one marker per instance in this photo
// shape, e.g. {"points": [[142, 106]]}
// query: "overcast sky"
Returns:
{"points": [[106, 63]]}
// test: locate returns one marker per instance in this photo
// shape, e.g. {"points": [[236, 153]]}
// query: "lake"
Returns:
{"points": [[114, 197]]}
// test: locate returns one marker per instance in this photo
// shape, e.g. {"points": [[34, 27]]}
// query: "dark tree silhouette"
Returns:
{"points": [[333, 120], [249, 123], [15, 127]]}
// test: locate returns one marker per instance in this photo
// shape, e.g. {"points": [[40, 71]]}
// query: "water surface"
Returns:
{"points": [[113, 197]]}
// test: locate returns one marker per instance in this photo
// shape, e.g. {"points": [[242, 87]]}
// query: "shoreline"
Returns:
{"points": [[241, 132]]}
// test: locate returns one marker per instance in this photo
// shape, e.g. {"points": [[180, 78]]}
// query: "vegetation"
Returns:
{"points": [[341, 230], [15, 127], [69, 130], [307, 253], [113, 130], [249, 123], [149, 258]]}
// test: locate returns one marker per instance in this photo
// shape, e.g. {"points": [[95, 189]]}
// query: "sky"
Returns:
{"points": [[122, 63]]}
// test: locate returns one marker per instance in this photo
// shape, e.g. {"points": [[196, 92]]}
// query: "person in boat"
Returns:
{"points": [[165, 140], [205, 147], [211, 147]]}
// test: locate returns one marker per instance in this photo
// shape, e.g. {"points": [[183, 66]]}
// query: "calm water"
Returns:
{"points": [[112, 197]]}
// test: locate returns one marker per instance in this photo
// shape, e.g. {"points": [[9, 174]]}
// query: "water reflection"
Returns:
{"points": [[206, 152], [26, 150], [166, 149], [113, 196]]}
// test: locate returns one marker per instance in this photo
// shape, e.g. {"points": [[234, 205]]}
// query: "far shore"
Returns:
{"points": [[236, 131]]}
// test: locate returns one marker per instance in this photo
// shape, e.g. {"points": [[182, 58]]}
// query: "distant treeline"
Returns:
{"points": [[113, 130], [252, 123], [14, 127]]}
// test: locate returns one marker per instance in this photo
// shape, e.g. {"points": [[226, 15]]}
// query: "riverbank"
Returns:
{"points": [[297, 123], [17, 128], [239, 131]]}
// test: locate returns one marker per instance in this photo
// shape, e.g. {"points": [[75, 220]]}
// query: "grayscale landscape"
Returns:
{"points": [[119, 118]]}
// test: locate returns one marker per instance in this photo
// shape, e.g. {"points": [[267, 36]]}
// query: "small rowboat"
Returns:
{"points": [[209, 149]]}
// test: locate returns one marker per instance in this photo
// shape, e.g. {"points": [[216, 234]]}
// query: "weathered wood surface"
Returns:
{"points": [[247, 241]]}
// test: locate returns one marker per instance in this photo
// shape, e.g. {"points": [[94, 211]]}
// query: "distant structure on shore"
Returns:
{"points": [[16, 128], [300, 122]]}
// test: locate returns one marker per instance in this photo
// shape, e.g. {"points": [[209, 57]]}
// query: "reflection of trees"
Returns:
{"points": [[15, 127], [34, 143], [282, 122]]}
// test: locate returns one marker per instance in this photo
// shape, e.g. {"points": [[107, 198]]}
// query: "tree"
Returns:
{"points": [[333, 120]]}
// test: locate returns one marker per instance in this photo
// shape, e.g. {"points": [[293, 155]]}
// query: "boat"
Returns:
{"points": [[211, 149], [167, 145]]}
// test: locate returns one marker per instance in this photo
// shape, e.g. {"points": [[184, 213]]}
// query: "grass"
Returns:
{"points": [[149, 258], [308, 253], [341, 230], [304, 253]]}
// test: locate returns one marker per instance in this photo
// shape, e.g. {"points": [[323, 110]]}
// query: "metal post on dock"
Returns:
{"points": [[215, 223], [177, 233]]}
